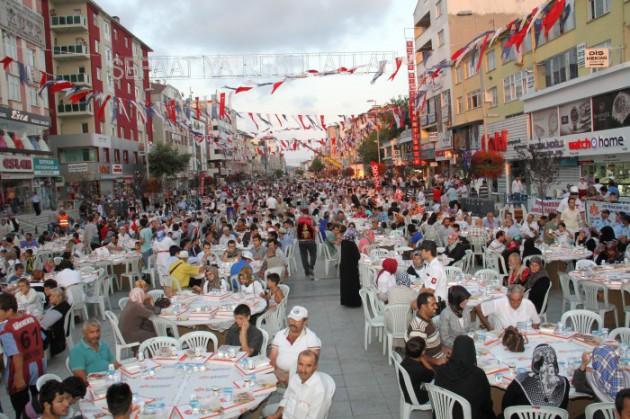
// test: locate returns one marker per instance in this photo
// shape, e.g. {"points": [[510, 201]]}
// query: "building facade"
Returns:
{"points": [[101, 142]]}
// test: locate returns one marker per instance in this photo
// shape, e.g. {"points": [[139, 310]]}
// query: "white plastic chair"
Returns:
{"points": [[571, 294], [488, 275], [150, 270], [155, 294], [291, 261], [407, 408], [162, 326], [623, 333], [371, 320], [153, 345], [67, 363], [453, 272], [282, 315], [78, 302], [584, 264], [330, 386], [119, 340], [535, 412], [278, 270], [443, 402], [265, 342], [122, 303], [591, 291], [606, 409], [269, 321], [132, 272], [378, 254], [598, 391], [329, 258], [545, 304], [43, 379], [67, 329], [97, 295], [199, 339], [396, 321], [582, 320], [626, 306]]}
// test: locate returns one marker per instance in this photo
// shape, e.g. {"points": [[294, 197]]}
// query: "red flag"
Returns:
{"points": [[457, 53], [221, 105], [276, 85], [482, 51], [301, 118], [398, 64], [171, 112], [321, 118], [240, 89], [6, 62], [43, 80], [197, 108], [80, 95], [251, 116], [101, 110], [553, 15], [342, 70], [312, 71], [60, 85]]}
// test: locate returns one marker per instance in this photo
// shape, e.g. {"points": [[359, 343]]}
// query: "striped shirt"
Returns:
{"points": [[418, 327]]}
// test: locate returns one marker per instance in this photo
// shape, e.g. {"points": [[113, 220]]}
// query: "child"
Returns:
{"points": [[274, 294], [28, 259], [563, 236]]}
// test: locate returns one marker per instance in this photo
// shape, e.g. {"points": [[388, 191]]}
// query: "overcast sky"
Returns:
{"points": [[210, 27]]}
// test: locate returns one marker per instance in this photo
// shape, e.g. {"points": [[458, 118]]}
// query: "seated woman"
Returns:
{"points": [[529, 248], [135, 319], [53, 320], [453, 322], [538, 283], [27, 298], [386, 278], [518, 272], [542, 386], [248, 284], [606, 373], [462, 376], [273, 294]]}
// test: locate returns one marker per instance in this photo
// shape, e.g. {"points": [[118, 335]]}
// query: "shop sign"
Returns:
{"points": [[103, 169], [16, 164], [497, 141], [78, 168], [544, 206], [26, 117], [117, 169], [594, 209], [611, 110], [444, 140], [596, 58], [45, 167]]}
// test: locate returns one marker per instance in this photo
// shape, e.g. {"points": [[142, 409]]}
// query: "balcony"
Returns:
{"points": [[427, 120], [74, 109], [79, 79], [72, 23], [69, 52]]}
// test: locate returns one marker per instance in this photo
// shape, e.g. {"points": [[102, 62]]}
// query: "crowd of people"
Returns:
{"points": [[258, 227]]}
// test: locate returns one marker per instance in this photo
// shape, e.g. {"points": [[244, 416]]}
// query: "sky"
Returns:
{"points": [[216, 27]]}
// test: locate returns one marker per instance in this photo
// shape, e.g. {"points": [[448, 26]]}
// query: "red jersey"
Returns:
{"points": [[23, 335]]}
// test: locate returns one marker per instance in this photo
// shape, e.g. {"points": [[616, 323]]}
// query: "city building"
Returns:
{"points": [[100, 142], [26, 163], [535, 96], [442, 27]]}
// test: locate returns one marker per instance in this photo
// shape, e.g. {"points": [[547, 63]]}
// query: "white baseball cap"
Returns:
{"points": [[298, 313], [183, 254], [247, 255], [573, 189]]}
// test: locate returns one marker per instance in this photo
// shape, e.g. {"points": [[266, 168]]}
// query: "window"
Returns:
{"points": [[98, 74], [459, 74], [438, 8], [492, 97], [96, 45], [563, 25], [125, 157], [126, 42], [106, 32], [108, 56], [459, 105], [85, 128], [471, 65], [561, 67], [473, 100], [598, 8], [10, 47], [135, 157], [32, 96], [116, 156], [106, 155], [515, 86], [14, 87], [491, 60], [30, 57], [115, 34], [77, 155], [440, 38], [110, 80]]}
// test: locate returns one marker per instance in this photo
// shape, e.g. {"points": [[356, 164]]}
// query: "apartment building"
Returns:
{"points": [[101, 142], [26, 163]]}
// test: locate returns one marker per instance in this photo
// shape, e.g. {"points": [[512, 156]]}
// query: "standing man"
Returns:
{"points": [[91, 239], [517, 189], [306, 241], [37, 203], [146, 240], [433, 274], [22, 340]]}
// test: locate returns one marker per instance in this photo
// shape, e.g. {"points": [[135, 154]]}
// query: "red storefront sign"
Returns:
{"points": [[411, 76], [496, 142]]}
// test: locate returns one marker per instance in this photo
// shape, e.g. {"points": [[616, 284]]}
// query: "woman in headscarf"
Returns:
{"points": [[453, 322], [610, 254], [542, 386], [386, 278], [529, 248], [518, 271], [606, 373], [135, 320], [462, 376], [349, 283], [538, 282]]}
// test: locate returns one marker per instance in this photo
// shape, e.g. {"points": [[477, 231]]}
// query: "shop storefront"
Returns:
{"points": [[46, 177], [16, 181]]}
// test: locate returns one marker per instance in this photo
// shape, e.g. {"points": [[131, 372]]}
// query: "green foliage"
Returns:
{"points": [[166, 160], [278, 173], [316, 166]]}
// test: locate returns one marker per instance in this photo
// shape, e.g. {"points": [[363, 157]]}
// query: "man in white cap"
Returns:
{"points": [[289, 342], [573, 193], [181, 271]]}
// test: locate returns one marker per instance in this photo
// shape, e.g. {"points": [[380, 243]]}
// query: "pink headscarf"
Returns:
{"points": [[137, 295]]}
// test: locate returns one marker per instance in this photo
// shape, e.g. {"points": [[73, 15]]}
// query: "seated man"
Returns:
{"points": [[53, 400], [422, 326], [91, 354], [307, 395], [244, 334], [28, 242], [509, 311], [289, 342], [456, 248], [119, 400], [231, 253], [19, 273], [181, 271], [419, 369]]}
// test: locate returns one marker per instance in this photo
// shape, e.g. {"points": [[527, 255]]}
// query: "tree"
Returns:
{"points": [[367, 150], [299, 172], [278, 173], [316, 166], [166, 160], [348, 172], [542, 167]]}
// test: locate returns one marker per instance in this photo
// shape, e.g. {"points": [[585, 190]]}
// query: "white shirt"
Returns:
{"points": [[564, 204], [506, 316], [253, 289], [288, 353], [272, 203], [434, 276], [160, 248], [384, 283], [517, 186], [307, 400], [68, 277]]}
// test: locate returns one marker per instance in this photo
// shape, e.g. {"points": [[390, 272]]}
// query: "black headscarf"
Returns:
{"points": [[462, 362], [607, 234], [543, 386], [529, 248]]}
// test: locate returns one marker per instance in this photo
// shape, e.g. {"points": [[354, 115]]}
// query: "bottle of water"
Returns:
{"points": [[194, 403], [111, 373]]}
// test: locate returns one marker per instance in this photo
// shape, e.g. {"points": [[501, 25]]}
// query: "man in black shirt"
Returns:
{"points": [[418, 369], [244, 334]]}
